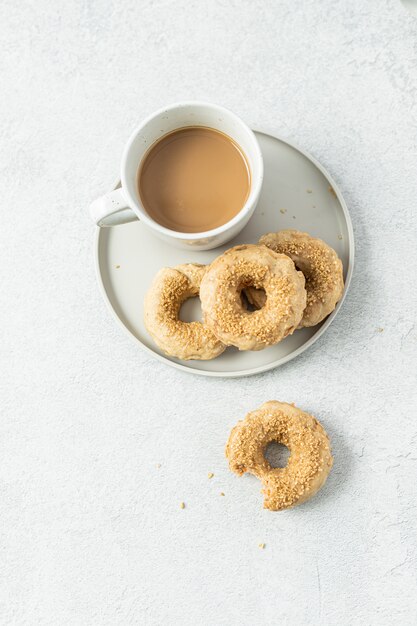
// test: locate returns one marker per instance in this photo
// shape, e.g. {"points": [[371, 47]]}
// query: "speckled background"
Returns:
{"points": [[91, 529]]}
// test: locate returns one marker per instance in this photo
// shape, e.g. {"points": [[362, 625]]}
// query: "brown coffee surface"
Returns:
{"points": [[194, 179]]}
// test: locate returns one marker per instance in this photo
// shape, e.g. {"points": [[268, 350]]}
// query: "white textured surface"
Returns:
{"points": [[92, 531]]}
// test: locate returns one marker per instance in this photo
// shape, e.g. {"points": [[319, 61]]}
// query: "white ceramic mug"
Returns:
{"points": [[124, 204]]}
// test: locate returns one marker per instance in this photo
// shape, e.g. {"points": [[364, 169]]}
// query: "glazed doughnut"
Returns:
{"points": [[310, 458], [184, 340], [322, 268], [260, 267]]}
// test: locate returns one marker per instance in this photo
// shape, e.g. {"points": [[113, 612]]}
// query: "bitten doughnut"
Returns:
{"points": [[184, 340], [260, 267], [310, 458], [322, 268]]}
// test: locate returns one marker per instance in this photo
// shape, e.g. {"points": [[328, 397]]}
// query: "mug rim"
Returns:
{"points": [[254, 189]]}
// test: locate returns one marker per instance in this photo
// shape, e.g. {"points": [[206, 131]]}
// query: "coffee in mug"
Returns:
{"points": [[191, 173], [194, 179]]}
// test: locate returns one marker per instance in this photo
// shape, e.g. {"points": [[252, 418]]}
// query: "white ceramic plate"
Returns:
{"points": [[297, 193]]}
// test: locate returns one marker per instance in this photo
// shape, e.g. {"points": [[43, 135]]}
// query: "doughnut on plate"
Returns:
{"points": [[297, 193]]}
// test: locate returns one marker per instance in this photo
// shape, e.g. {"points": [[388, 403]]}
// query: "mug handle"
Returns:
{"points": [[112, 209]]}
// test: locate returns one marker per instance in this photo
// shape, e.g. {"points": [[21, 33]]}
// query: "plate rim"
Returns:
{"points": [[289, 357]]}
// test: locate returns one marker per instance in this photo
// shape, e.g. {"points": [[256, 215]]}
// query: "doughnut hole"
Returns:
{"points": [[190, 310], [277, 454], [255, 298], [246, 303]]}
